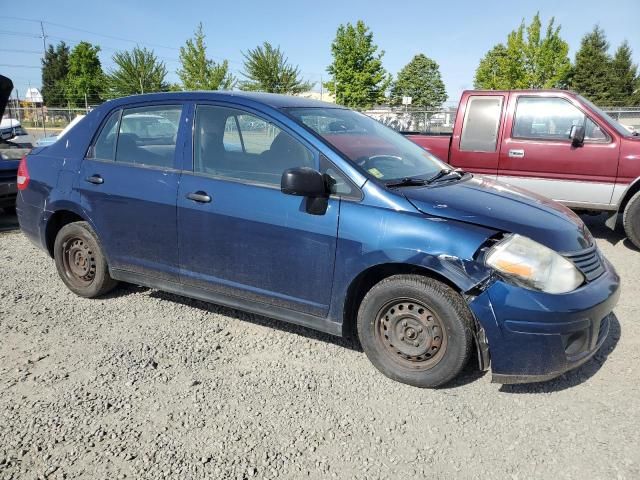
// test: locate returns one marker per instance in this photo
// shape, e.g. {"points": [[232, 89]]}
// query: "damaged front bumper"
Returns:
{"points": [[532, 336]]}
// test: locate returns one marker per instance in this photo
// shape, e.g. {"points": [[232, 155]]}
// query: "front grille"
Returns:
{"points": [[588, 262]]}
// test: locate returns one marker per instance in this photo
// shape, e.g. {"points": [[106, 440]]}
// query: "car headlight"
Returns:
{"points": [[533, 265]]}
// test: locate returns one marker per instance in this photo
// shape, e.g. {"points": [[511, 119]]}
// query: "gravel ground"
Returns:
{"points": [[144, 384]]}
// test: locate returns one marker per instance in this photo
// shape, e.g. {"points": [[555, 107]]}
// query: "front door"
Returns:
{"points": [[537, 153], [128, 185], [238, 233]]}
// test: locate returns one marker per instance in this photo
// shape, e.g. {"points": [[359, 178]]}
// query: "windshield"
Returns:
{"points": [[609, 119], [380, 151]]}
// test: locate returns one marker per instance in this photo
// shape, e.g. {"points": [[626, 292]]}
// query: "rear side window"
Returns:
{"points": [[147, 135], [481, 123], [105, 146]]}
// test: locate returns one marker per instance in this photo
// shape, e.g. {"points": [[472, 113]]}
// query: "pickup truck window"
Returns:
{"points": [[481, 123], [551, 118], [613, 123]]}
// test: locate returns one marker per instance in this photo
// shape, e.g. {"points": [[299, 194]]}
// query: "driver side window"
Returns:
{"points": [[551, 118], [230, 143]]}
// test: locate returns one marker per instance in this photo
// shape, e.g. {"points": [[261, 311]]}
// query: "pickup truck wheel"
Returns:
{"points": [[80, 261], [631, 219], [415, 330]]}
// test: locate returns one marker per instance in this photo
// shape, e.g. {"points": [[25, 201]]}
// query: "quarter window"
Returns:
{"points": [[105, 146], [481, 123], [147, 136], [551, 118], [233, 144]]}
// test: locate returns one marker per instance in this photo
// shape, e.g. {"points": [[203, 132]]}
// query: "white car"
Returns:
{"points": [[19, 136]]}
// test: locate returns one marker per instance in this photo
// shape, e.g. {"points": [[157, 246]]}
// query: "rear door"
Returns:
{"points": [[537, 153], [128, 185], [238, 233], [476, 136]]}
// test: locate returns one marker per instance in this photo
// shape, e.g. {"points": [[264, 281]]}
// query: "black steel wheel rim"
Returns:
{"points": [[411, 334], [78, 261]]}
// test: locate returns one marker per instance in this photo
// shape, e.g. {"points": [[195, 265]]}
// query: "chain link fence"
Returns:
{"points": [[41, 121]]}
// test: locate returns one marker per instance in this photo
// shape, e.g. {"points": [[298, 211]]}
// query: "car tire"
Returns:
{"points": [[415, 330], [80, 261], [631, 220]]}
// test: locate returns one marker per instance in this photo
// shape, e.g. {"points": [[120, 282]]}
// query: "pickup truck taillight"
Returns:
{"points": [[23, 174]]}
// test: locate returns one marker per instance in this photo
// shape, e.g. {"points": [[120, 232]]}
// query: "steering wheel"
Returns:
{"points": [[370, 162]]}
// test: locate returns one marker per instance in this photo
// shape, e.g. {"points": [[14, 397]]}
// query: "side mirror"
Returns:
{"points": [[304, 182], [577, 135]]}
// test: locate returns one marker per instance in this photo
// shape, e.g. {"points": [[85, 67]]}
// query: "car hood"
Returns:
{"points": [[503, 207], [6, 85]]}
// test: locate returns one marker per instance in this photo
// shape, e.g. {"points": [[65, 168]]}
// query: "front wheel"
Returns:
{"points": [[631, 220], [415, 330], [80, 261]]}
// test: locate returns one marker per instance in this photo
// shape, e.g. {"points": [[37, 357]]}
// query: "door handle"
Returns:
{"points": [[516, 153], [199, 196], [95, 179]]}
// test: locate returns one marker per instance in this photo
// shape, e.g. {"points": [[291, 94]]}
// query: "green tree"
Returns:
{"points": [[591, 74], [137, 71], [624, 81], [359, 79], [420, 79], [528, 60], [491, 73], [268, 70], [85, 79], [55, 66], [199, 72]]}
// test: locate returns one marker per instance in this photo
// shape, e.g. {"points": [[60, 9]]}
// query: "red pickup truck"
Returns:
{"points": [[552, 142]]}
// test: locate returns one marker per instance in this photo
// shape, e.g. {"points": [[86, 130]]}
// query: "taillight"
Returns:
{"points": [[23, 174]]}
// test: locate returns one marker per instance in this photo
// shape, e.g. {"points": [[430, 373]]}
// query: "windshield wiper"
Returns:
{"points": [[445, 172], [407, 182]]}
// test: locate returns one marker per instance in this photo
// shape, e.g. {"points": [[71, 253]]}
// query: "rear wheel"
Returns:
{"points": [[80, 261], [631, 219], [415, 330]]}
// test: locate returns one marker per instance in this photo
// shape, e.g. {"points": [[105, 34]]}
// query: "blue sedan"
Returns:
{"points": [[314, 214]]}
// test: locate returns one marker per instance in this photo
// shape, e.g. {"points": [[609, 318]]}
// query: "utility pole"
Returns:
{"points": [[86, 104], [18, 106], [44, 41]]}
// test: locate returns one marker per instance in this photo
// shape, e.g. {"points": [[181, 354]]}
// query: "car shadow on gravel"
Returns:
{"points": [[352, 344], [8, 221], [602, 232], [577, 376]]}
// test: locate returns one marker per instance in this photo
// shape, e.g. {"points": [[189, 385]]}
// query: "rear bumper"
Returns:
{"points": [[534, 336], [29, 220], [8, 192]]}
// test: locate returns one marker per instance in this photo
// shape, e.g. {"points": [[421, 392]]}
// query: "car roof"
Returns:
{"points": [[270, 99], [525, 91]]}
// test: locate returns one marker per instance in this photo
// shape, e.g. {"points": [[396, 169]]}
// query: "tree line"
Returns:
{"points": [[74, 76], [530, 58]]}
